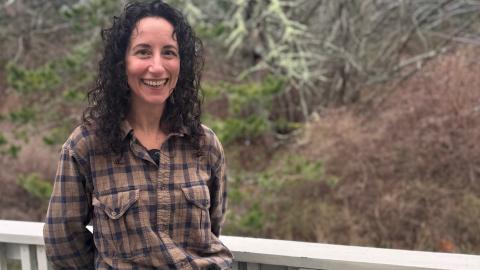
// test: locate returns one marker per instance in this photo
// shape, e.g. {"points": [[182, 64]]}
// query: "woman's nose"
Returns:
{"points": [[157, 65]]}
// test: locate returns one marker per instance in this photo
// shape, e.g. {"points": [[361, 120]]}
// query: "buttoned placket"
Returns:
{"points": [[163, 194], [162, 182], [165, 182]]}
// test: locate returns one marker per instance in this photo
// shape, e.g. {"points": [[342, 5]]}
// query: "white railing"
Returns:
{"points": [[23, 241]]}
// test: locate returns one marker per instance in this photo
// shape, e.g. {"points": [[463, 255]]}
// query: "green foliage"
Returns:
{"points": [[27, 81], [235, 195], [23, 116], [308, 170], [301, 168], [248, 106], [74, 96], [87, 15], [74, 66], [57, 135], [283, 126], [21, 135], [75, 60], [7, 148], [35, 185], [211, 91], [49, 106], [300, 165], [13, 150], [470, 206], [233, 129], [253, 95], [210, 32], [3, 140], [253, 219], [295, 168], [53, 88], [247, 216], [250, 223], [263, 199], [244, 96]]}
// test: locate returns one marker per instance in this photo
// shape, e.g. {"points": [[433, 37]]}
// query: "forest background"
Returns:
{"points": [[348, 122]]}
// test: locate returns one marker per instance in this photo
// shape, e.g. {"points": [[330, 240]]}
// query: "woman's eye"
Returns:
{"points": [[142, 52], [170, 53]]}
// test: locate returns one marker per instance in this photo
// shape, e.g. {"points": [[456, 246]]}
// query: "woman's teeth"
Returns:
{"points": [[155, 83]]}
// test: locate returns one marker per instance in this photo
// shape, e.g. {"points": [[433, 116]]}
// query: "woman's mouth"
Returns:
{"points": [[155, 83]]}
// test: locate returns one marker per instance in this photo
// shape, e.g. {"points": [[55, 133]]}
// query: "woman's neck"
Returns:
{"points": [[145, 121], [145, 118]]}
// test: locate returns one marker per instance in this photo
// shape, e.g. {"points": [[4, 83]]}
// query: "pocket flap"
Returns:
{"points": [[115, 205], [198, 195]]}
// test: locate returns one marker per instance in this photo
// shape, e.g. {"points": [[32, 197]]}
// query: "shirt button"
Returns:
{"points": [[113, 213]]}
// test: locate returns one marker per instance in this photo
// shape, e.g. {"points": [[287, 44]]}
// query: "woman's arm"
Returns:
{"points": [[218, 194], [69, 244]]}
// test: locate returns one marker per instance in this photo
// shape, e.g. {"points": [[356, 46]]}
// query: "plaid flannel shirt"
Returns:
{"points": [[144, 215]]}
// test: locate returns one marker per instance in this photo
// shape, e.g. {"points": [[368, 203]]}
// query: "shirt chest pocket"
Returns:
{"points": [[195, 211], [121, 224]]}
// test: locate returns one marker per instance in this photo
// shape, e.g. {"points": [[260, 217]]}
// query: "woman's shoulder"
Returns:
{"points": [[210, 138], [82, 139], [212, 147]]}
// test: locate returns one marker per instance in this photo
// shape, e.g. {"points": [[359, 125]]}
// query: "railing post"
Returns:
{"points": [[253, 266], [241, 266], [42, 258], [3, 258], [28, 257]]}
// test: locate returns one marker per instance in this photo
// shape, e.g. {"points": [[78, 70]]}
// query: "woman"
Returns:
{"points": [[141, 168]]}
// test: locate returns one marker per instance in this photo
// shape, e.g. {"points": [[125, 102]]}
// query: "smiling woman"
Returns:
{"points": [[141, 167], [152, 62]]}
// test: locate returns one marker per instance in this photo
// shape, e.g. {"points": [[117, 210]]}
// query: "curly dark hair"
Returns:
{"points": [[109, 100]]}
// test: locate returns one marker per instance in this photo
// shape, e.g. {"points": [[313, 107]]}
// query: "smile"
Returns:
{"points": [[155, 83]]}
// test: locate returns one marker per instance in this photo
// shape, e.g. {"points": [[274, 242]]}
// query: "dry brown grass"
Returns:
{"points": [[18, 204], [409, 169]]}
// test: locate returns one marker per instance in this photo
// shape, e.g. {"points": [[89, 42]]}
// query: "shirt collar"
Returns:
{"points": [[127, 130]]}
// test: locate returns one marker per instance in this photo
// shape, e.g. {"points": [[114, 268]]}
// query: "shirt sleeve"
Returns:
{"points": [[218, 195], [69, 245]]}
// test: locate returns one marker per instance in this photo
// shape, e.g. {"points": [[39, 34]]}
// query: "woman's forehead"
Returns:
{"points": [[153, 28]]}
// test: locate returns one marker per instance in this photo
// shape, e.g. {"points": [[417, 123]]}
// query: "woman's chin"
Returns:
{"points": [[156, 101], [149, 101]]}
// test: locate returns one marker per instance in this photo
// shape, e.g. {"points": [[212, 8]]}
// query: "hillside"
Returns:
{"points": [[401, 172]]}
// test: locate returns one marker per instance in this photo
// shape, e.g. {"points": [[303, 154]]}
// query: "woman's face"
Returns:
{"points": [[152, 61]]}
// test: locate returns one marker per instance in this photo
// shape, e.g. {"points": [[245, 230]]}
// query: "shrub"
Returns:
{"points": [[405, 165], [248, 105], [35, 185]]}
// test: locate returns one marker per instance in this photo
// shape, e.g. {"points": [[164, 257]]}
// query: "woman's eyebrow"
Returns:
{"points": [[141, 45], [171, 47]]}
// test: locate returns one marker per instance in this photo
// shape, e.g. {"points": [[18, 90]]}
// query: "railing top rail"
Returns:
{"points": [[328, 256], [21, 232], [293, 253]]}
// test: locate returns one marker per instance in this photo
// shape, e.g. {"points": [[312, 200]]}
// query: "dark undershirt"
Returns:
{"points": [[155, 155]]}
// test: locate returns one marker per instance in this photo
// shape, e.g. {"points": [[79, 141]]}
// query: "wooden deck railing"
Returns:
{"points": [[23, 241]]}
